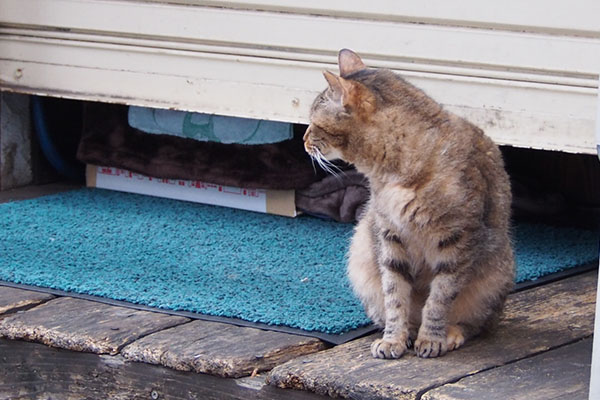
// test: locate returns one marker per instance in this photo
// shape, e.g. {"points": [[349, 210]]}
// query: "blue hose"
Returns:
{"points": [[62, 166]]}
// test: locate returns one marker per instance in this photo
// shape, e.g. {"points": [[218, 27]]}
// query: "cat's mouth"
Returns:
{"points": [[318, 148], [314, 151], [322, 155], [308, 145]]}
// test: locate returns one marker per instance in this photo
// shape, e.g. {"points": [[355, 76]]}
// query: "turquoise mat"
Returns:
{"points": [[212, 260]]}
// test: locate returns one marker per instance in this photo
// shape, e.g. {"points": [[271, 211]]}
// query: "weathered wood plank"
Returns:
{"points": [[12, 300], [563, 373], [34, 371], [536, 320], [220, 349], [83, 325]]}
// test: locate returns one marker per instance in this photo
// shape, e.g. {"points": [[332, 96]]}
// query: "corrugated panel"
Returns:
{"points": [[527, 83], [577, 18]]}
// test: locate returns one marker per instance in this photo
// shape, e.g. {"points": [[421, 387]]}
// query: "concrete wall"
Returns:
{"points": [[15, 141]]}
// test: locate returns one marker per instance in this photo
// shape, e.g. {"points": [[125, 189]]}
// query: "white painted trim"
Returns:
{"points": [[557, 16], [595, 370], [531, 87], [328, 59], [529, 114], [317, 34]]}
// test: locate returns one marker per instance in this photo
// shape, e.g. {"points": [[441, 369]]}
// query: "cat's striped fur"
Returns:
{"points": [[431, 259]]}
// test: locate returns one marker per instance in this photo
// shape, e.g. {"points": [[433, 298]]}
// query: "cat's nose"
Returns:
{"points": [[306, 133], [307, 147]]}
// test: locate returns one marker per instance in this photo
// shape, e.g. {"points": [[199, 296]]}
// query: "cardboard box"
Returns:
{"points": [[279, 202]]}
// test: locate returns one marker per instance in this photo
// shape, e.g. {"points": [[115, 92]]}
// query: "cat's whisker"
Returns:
{"points": [[312, 161], [323, 165], [341, 171], [328, 165]]}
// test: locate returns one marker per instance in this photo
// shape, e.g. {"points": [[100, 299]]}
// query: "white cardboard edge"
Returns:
{"points": [[194, 191]]}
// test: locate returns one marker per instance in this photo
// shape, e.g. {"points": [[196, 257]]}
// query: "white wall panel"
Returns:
{"points": [[527, 85]]}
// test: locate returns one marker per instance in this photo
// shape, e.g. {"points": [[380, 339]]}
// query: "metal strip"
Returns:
{"points": [[329, 338], [519, 287]]}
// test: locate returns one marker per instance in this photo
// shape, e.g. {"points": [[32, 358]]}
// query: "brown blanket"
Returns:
{"points": [[109, 140], [339, 197]]}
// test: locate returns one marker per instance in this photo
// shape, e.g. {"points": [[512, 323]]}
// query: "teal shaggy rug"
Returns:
{"points": [[216, 261]]}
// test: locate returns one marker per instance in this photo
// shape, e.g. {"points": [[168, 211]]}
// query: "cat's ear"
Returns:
{"points": [[340, 87], [349, 62], [352, 95], [334, 82]]}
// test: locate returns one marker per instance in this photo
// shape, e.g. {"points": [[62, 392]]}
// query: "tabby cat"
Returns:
{"points": [[431, 258]]}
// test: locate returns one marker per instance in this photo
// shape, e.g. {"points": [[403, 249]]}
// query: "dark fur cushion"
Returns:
{"points": [[342, 198], [108, 140]]}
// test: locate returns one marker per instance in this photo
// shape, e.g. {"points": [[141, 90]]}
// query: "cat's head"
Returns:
{"points": [[339, 112]]}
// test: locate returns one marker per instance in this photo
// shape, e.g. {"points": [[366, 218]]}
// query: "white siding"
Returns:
{"points": [[529, 78]]}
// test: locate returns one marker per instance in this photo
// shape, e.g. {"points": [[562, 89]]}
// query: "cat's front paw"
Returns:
{"points": [[386, 348], [431, 347]]}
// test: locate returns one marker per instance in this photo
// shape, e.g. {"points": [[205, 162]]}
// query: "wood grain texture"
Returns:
{"points": [[563, 373], [34, 371], [83, 325], [219, 349], [12, 300], [536, 320]]}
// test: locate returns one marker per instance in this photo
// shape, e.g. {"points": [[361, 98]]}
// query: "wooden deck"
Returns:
{"points": [[66, 348]]}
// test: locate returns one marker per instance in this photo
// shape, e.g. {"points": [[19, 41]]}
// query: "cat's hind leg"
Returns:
{"points": [[478, 307], [454, 337], [363, 272]]}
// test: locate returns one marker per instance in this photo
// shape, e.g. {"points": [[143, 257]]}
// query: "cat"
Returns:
{"points": [[431, 258]]}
